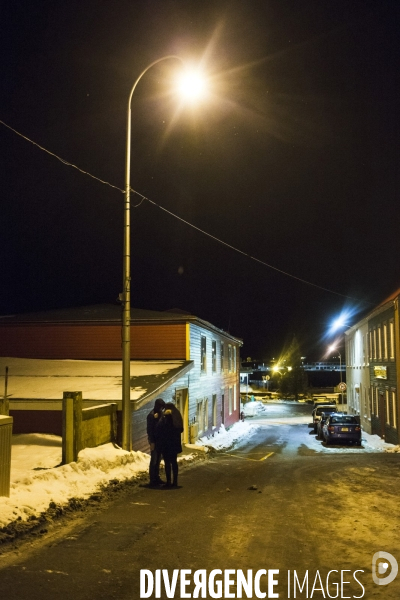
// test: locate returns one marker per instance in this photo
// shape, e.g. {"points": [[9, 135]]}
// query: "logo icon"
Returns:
{"points": [[380, 565]]}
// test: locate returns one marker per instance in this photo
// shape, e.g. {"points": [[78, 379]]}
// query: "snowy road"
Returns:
{"points": [[270, 502]]}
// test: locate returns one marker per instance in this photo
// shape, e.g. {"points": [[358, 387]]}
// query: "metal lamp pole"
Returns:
{"points": [[126, 293]]}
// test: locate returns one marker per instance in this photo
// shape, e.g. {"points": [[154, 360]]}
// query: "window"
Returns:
{"points": [[387, 407], [203, 354], [229, 358], [234, 397], [385, 341], [391, 328], [200, 419], [206, 414], [363, 349], [234, 359], [214, 410], [214, 356], [379, 342], [377, 401], [202, 414], [222, 357], [370, 345], [375, 343], [394, 411], [230, 407]]}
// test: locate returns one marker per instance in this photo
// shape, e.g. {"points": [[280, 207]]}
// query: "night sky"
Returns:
{"points": [[293, 160]]}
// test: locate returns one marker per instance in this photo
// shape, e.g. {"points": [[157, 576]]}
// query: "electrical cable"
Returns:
{"points": [[216, 239]]}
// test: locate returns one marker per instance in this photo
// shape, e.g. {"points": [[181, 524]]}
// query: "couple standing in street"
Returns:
{"points": [[164, 428]]}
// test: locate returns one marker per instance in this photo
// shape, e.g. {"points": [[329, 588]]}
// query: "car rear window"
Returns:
{"points": [[345, 420], [326, 409]]}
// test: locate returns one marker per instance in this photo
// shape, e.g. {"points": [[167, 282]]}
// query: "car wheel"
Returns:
{"points": [[358, 443], [327, 441]]}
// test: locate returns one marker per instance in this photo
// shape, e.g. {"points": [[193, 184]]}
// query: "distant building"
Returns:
{"points": [[373, 371], [201, 371]]}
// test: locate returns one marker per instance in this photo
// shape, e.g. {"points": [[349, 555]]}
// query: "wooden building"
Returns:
{"points": [[380, 347], [206, 390]]}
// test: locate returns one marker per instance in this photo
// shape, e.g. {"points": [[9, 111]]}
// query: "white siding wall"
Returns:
{"points": [[357, 374], [204, 385]]}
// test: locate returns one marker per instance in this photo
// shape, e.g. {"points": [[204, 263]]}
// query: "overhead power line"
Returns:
{"points": [[213, 237]]}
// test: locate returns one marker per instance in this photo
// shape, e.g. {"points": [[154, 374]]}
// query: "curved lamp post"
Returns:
{"points": [[126, 293]]}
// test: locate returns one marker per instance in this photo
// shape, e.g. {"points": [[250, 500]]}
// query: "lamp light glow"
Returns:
{"points": [[191, 85]]}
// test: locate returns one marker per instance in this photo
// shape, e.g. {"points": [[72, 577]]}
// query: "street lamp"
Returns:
{"points": [[191, 86]]}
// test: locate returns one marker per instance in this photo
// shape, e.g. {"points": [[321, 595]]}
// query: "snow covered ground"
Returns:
{"points": [[371, 443], [37, 480]]}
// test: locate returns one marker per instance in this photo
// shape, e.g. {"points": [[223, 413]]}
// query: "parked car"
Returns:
{"points": [[321, 423], [318, 403], [317, 412], [341, 427]]}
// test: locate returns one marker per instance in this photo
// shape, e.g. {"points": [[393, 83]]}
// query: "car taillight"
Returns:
{"points": [[331, 428], [358, 428]]}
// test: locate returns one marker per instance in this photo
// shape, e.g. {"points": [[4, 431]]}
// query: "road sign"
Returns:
{"points": [[342, 386]]}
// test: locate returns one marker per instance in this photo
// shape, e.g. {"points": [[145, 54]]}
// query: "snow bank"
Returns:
{"points": [[377, 443], [392, 449], [225, 438], [251, 409], [33, 488]]}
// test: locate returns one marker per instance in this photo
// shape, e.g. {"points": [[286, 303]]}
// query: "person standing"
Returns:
{"points": [[168, 436], [153, 418]]}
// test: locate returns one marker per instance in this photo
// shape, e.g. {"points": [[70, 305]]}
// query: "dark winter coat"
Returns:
{"points": [[168, 431], [152, 420]]}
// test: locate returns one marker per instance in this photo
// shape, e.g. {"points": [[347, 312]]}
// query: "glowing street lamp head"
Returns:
{"points": [[338, 323], [341, 322], [192, 85]]}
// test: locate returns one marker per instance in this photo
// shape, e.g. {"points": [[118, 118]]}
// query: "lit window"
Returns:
{"points": [[387, 407], [379, 342], [370, 345], [214, 410], [394, 411], [222, 357], [230, 400], [375, 343], [391, 326], [234, 359], [206, 414], [234, 397], [229, 358], [385, 342], [200, 419], [214, 356], [203, 354]]}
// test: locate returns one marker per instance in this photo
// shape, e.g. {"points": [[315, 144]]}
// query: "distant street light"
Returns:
{"points": [[191, 86]]}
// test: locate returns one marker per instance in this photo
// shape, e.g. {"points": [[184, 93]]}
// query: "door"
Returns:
{"points": [[181, 402]]}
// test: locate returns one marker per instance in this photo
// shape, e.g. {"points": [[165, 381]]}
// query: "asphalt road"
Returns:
{"points": [[274, 502]]}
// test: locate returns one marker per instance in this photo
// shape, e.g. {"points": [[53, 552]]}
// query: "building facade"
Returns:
{"points": [[378, 350], [208, 394]]}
